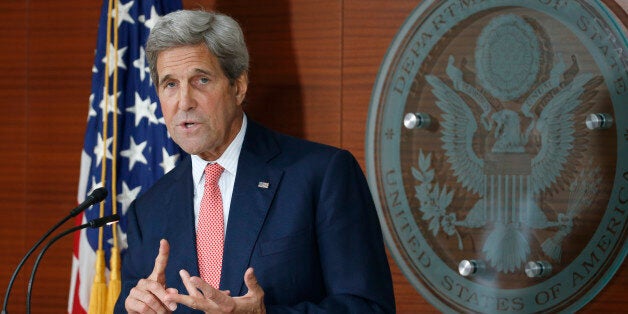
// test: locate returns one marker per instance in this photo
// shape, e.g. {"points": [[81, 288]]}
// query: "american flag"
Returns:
{"points": [[141, 150]]}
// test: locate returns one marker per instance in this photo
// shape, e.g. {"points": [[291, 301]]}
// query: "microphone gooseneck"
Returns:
{"points": [[96, 196], [94, 223]]}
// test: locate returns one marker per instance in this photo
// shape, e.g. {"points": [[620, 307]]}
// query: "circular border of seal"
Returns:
{"points": [[374, 131]]}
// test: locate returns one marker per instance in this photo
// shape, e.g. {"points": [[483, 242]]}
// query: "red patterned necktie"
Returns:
{"points": [[210, 231]]}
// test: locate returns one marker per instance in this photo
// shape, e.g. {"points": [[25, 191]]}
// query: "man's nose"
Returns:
{"points": [[186, 99]]}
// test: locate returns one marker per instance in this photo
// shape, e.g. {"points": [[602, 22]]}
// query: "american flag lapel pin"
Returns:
{"points": [[263, 185]]}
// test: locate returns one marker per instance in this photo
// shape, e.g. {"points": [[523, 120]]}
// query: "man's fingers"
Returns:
{"points": [[159, 271], [152, 294], [186, 300], [185, 278], [251, 282], [155, 284], [202, 296], [195, 299], [208, 291], [253, 300], [143, 301], [198, 302], [216, 298]]}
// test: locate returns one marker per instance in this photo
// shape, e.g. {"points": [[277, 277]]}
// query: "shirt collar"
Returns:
{"points": [[228, 160]]}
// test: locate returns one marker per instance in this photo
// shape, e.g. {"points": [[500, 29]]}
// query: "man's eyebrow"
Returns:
{"points": [[196, 70], [203, 71], [163, 79]]}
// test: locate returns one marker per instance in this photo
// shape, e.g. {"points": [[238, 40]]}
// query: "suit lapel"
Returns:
{"points": [[255, 186], [182, 238]]}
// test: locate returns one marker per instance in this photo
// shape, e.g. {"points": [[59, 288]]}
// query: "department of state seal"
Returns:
{"points": [[507, 188]]}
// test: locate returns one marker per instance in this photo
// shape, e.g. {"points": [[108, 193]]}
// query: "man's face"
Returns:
{"points": [[202, 110]]}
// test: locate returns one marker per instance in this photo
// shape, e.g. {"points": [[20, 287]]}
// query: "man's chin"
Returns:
{"points": [[190, 148], [204, 154]]}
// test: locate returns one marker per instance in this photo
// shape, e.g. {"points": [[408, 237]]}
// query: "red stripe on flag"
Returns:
{"points": [[76, 305]]}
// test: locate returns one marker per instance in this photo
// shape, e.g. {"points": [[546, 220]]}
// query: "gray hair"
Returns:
{"points": [[221, 34]]}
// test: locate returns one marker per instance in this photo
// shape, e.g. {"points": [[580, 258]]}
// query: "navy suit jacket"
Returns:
{"points": [[312, 234]]}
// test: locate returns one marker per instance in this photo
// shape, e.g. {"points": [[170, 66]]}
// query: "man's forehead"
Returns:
{"points": [[196, 53], [187, 59]]}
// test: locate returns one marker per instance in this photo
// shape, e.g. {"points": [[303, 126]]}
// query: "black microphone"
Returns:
{"points": [[97, 196], [94, 223]]}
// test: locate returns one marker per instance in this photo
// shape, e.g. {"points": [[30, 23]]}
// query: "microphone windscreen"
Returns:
{"points": [[99, 194]]}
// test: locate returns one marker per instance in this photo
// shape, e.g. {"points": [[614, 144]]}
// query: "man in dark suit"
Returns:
{"points": [[300, 229]]}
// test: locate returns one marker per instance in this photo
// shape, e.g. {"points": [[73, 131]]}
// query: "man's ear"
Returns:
{"points": [[241, 85]]}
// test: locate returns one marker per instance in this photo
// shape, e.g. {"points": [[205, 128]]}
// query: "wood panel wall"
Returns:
{"points": [[313, 67]]}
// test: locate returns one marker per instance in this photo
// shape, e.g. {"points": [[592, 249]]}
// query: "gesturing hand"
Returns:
{"points": [[148, 295], [204, 297]]}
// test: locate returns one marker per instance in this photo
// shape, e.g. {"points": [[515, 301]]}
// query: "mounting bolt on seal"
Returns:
{"points": [[599, 121], [536, 269], [417, 120], [468, 268]]}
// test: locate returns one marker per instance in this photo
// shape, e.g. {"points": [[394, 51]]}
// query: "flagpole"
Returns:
{"points": [[98, 295], [114, 261]]}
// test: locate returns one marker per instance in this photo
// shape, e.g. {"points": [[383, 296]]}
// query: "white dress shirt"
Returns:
{"points": [[229, 161]]}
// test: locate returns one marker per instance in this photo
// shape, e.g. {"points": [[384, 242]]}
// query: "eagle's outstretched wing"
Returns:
{"points": [[557, 131], [459, 126]]}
